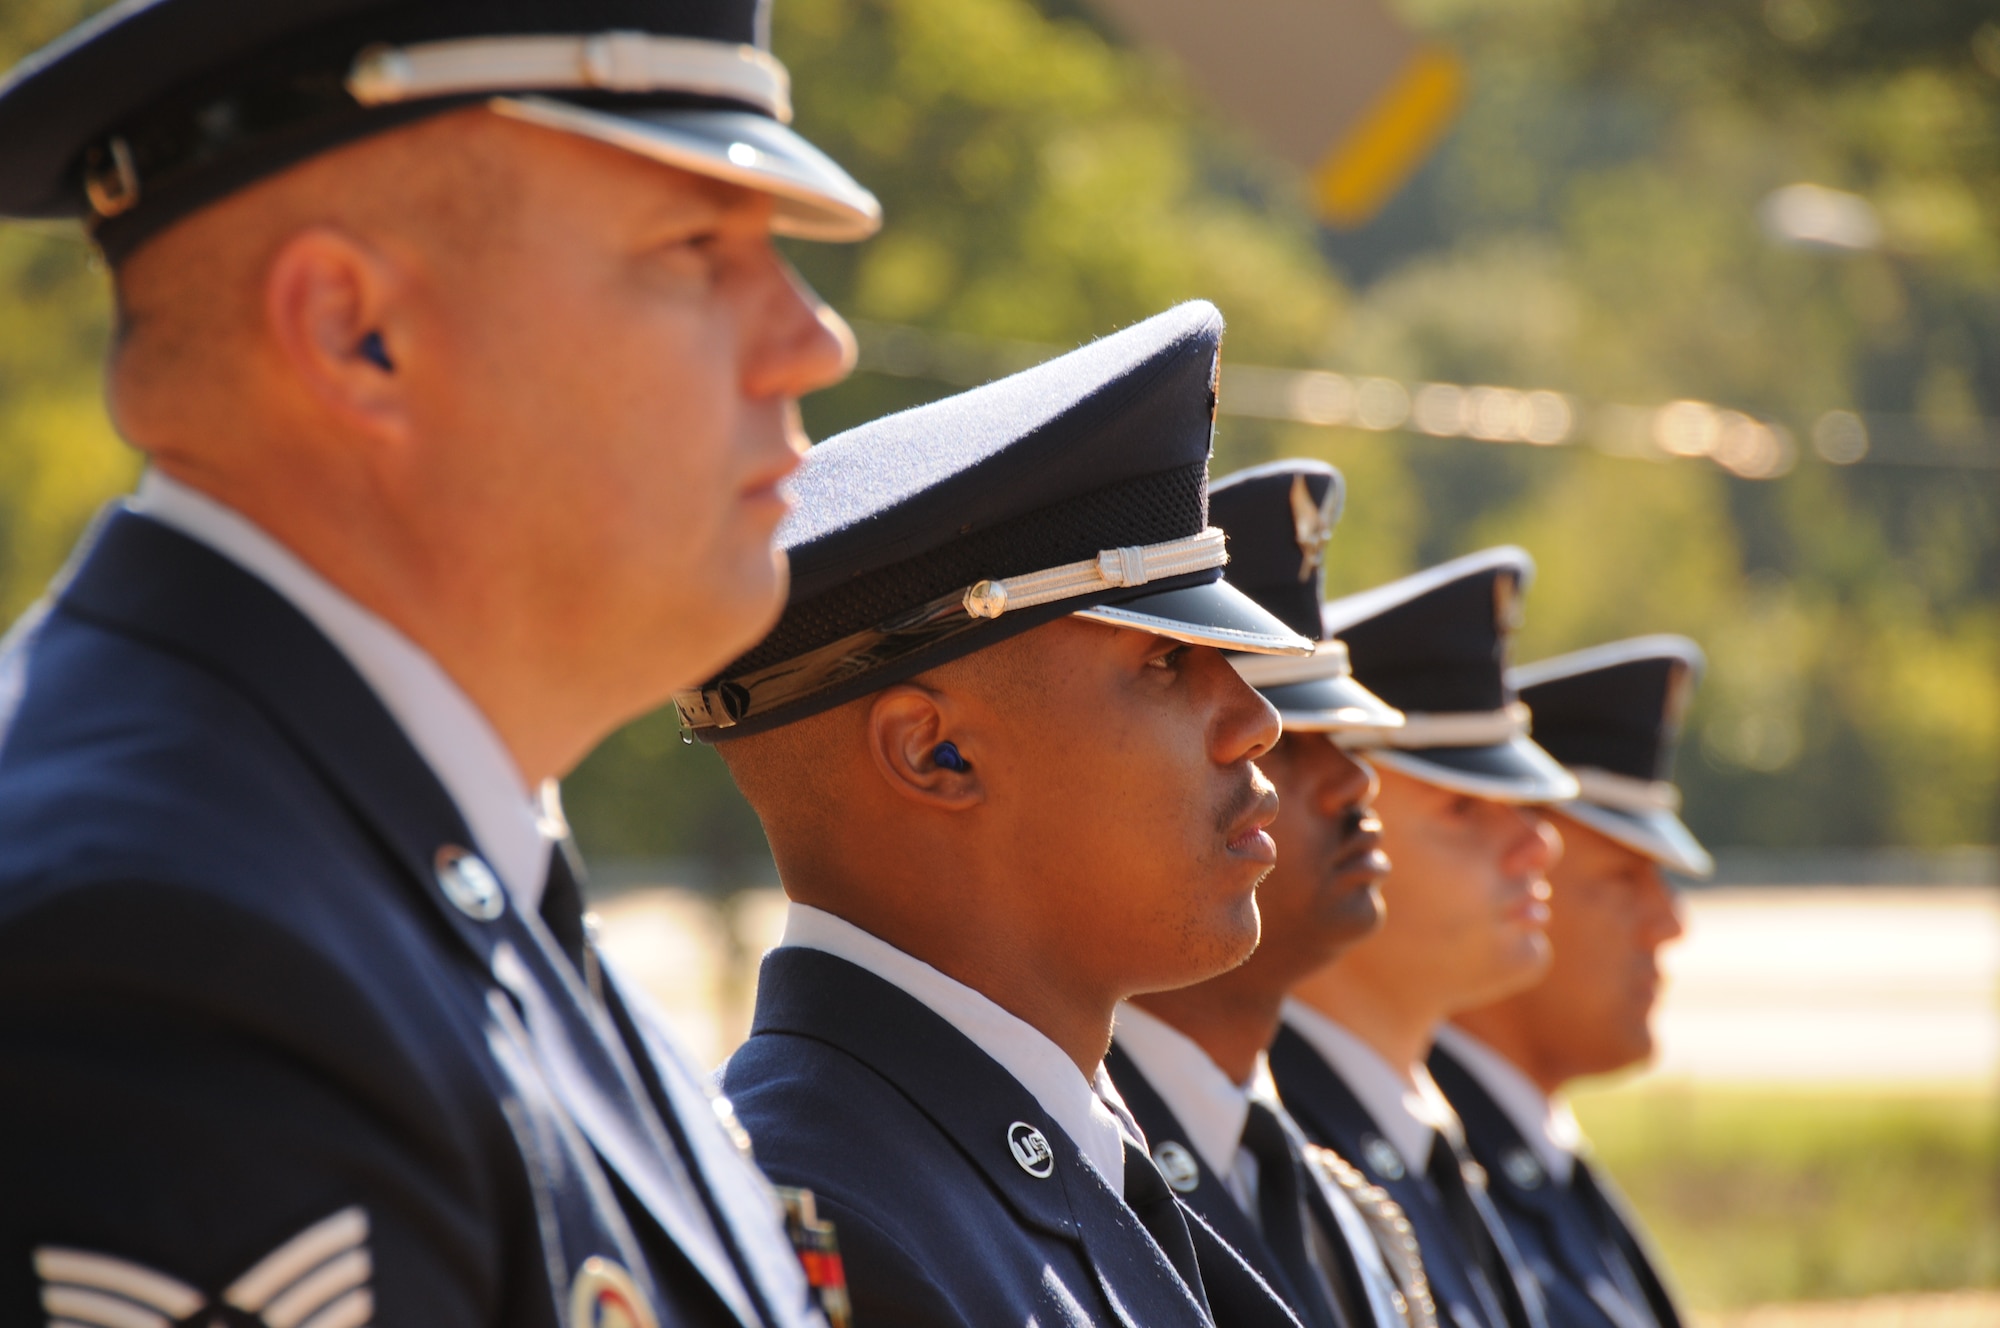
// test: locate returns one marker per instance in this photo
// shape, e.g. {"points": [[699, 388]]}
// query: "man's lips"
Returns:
{"points": [[1247, 838], [1361, 855], [1528, 905]]}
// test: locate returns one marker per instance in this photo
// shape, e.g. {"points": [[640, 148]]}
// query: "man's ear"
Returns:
{"points": [[331, 306], [907, 725]]}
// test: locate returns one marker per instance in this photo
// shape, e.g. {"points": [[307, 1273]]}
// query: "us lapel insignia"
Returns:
{"points": [[1382, 1157], [1177, 1164], [603, 1295], [469, 883], [1519, 1165], [319, 1276], [1030, 1148]]}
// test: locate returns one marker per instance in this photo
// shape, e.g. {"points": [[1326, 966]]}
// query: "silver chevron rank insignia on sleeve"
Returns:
{"points": [[317, 1279]]}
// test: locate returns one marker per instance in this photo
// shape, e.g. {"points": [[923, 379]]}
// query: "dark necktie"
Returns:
{"points": [[1446, 1172], [1147, 1195], [562, 904], [1281, 1209], [562, 914], [1613, 1238]]}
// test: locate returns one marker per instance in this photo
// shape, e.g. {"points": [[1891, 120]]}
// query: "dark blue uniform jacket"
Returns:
{"points": [[1210, 1198], [899, 1125], [1322, 1103], [1574, 1238], [254, 1065]]}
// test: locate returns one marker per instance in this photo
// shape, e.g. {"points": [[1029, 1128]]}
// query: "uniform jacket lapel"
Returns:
{"points": [[1520, 1184], [1326, 1108], [1207, 1195], [975, 1102], [153, 583]]}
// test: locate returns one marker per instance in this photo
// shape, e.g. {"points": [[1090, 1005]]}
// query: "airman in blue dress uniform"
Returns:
{"points": [[1007, 774], [1611, 715], [1191, 1063], [1460, 786], [456, 339]]}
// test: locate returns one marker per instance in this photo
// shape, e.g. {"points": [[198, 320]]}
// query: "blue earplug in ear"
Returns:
{"points": [[372, 350], [946, 755]]}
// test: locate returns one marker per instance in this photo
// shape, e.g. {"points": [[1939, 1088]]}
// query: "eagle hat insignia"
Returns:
{"points": [[1177, 1164], [603, 1295], [1030, 1148], [320, 1276], [1312, 525]]}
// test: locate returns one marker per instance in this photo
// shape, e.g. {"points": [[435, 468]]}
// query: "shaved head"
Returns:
{"points": [[189, 300], [527, 396]]}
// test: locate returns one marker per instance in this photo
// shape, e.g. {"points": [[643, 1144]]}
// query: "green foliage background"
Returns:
{"points": [[1589, 227]]}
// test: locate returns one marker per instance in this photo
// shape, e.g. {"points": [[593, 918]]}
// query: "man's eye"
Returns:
{"points": [[1170, 660]]}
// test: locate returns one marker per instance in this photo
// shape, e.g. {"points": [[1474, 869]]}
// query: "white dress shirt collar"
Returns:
{"points": [[1077, 1104], [513, 830], [1547, 1123], [1407, 1107], [1210, 1106]]}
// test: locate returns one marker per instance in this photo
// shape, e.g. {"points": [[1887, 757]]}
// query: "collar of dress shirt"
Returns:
{"points": [[1547, 1123], [1208, 1104], [513, 830], [1407, 1107], [1022, 1049]]}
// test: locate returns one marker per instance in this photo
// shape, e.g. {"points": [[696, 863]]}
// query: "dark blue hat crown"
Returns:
{"points": [[1612, 715], [1279, 518], [1617, 707], [155, 109], [1435, 646], [1436, 642], [1078, 486]]}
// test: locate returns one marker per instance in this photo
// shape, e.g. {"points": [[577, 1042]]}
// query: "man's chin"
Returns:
{"points": [[736, 617]]}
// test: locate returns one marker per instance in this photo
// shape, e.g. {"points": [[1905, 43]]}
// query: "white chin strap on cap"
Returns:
{"points": [[1470, 728], [1132, 566], [630, 62], [1623, 792]]}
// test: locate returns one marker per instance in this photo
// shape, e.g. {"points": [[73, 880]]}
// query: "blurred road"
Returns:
{"points": [[1837, 987], [1840, 987]]}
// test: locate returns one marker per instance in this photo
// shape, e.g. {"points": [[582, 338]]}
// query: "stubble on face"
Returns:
{"points": [[1130, 791]]}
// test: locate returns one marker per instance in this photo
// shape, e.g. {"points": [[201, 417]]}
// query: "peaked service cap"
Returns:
{"points": [[1077, 488], [1435, 646], [1279, 518], [1612, 715], [156, 108]]}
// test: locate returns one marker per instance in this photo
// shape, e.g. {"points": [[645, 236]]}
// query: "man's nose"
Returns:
{"points": [[1248, 725], [1663, 909], [1350, 781], [797, 344], [1539, 847]]}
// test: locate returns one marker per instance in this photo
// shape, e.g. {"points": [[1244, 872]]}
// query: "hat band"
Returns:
{"points": [[1465, 728], [1328, 660], [730, 701], [629, 62], [1111, 569], [1624, 792]]}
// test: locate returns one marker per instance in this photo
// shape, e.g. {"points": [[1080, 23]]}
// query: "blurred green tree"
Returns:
{"points": [[1591, 227]]}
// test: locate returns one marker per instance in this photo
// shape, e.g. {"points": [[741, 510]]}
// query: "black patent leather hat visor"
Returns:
{"points": [[1658, 835], [1514, 771], [1216, 614], [816, 199], [1332, 705]]}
